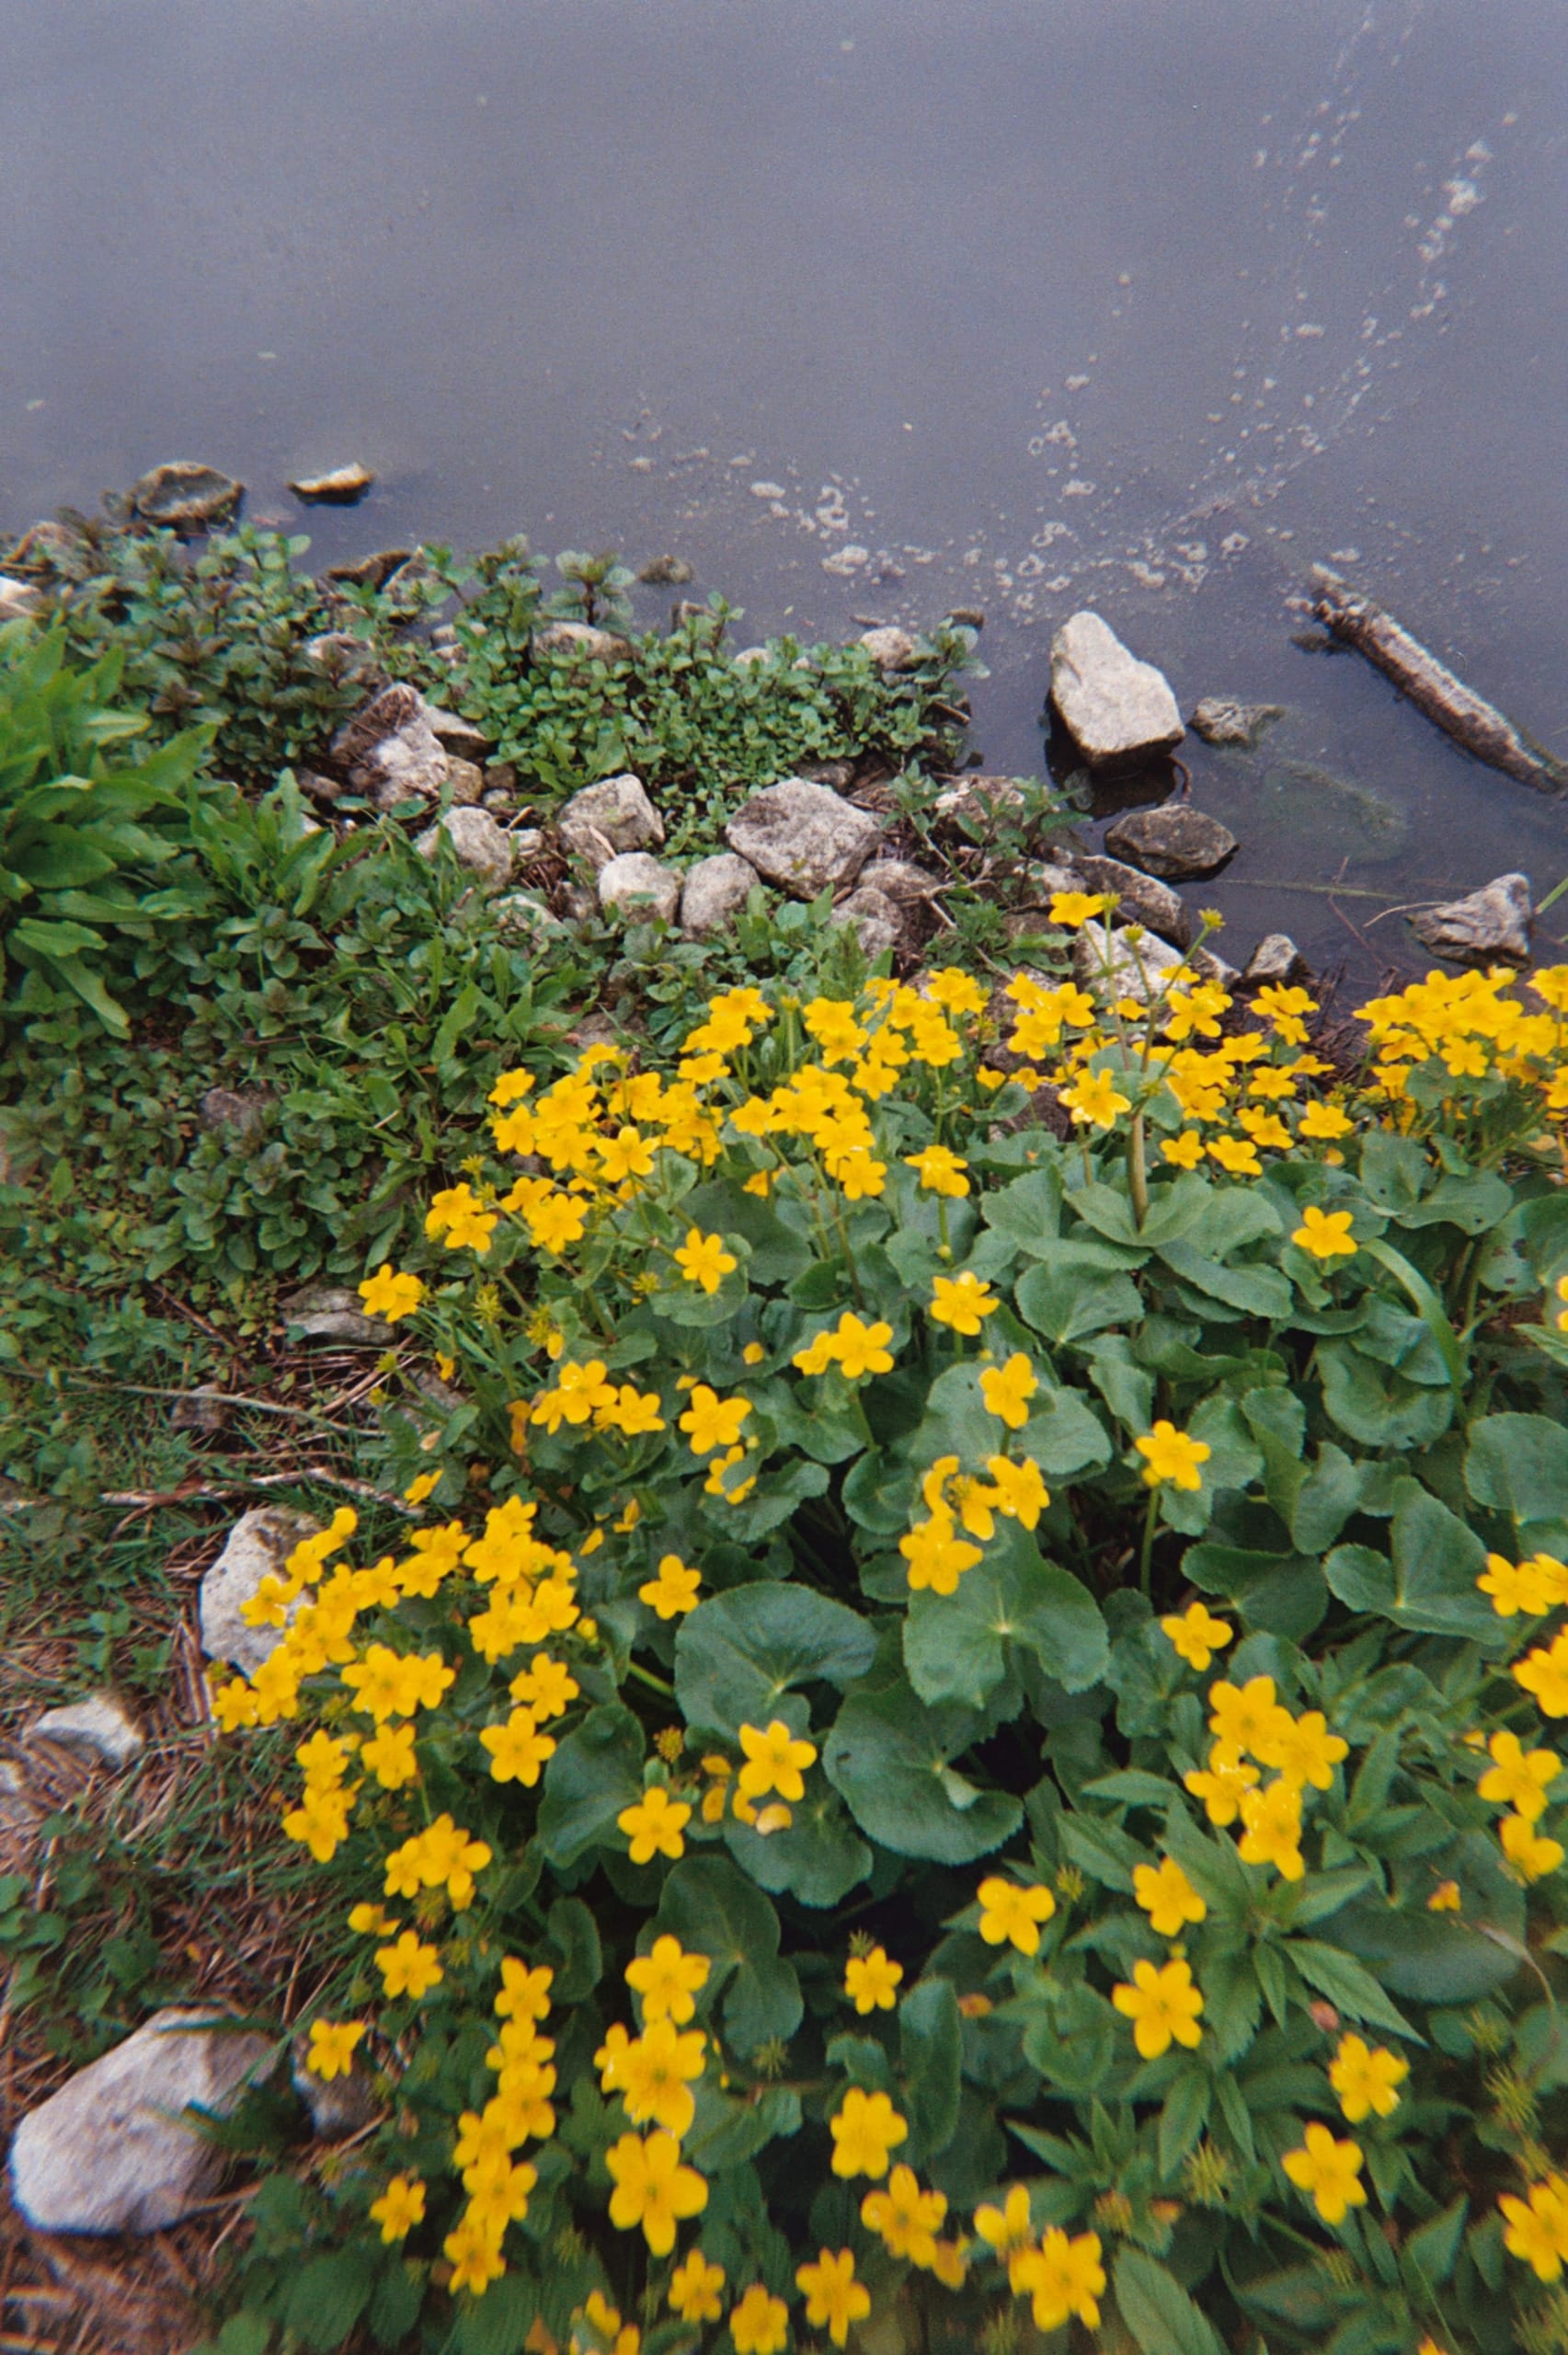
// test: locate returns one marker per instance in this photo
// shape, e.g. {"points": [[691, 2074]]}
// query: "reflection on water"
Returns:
{"points": [[867, 308]]}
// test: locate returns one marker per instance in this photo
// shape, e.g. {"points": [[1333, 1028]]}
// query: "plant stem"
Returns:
{"points": [[1136, 1171], [1146, 1558]]}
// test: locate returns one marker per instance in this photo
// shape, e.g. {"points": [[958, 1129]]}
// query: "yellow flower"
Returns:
{"points": [[1302, 1750], [1198, 1634], [400, 2207], [1020, 1491], [760, 2323], [862, 1349], [1273, 1834], [1544, 1673], [1536, 2229], [389, 1754], [546, 1686], [1514, 1588], [1325, 1234], [423, 1485], [940, 1172], [1329, 2171], [458, 1216], [667, 1980], [1070, 909], [389, 1295], [1367, 2078], [936, 1554], [695, 2288], [833, 2297], [332, 2044], [702, 1259], [410, 1967], [1324, 1121], [655, 2072], [1007, 1389], [775, 1761], [673, 1591], [1093, 1099], [1008, 2229], [711, 1421], [753, 1353], [1532, 1855], [958, 992], [1221, 1783], [652, 2188], [1519, 1778], [961, 1302], [871, 1980], [518, 1749], [604, 2321], [1185, 1151], [1243, 1714], [865, 2129], [1172, 1455], [1162, 2004], [907, 2218], [1168, 1897], [1011, 1914], [654, 1826], [1446, 1898], [1064, 2277], [525, 1993], [474, 2255], [1238, 1154]]}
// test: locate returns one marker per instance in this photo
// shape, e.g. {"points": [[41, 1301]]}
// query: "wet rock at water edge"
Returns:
{"points": [[186, 497], [340, 488], [611, 816], [99, 1726], [636, 886], [372, 571], [1142, 898], [580, 642], [258, 1545], [477, 840], [1140, 968], [1276, 959], [1174, 840], [803, 837], [879, 922], [1220, 721], [113, 2151], [889, 649], [18, 600], [716, 890], [1116, 709], [1490, 924], [391, 752], [333, 1313]]}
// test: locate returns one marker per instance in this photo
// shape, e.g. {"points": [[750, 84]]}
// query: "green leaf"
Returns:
{"points": [[1158, 2311], [574, 1934], [890, 1757], [1380, 1408], [738, 1654], [457, 1024], [1173, 1209], [778, 1253], [1079, 1289], [817, 1858], [1442, 1958], [500, 2322], [1029, 1211], [955, 1645], [329, 2294], [1428, 1306], [1348, 1987], [1064, 1435], [1126, 1388], [596, 1772], [1518, 1465], [1325, 1500], [1280, 1594], [931, 2050], [1256, 1291], [715, 1910], [1434, 2247], [1183, 2118]]}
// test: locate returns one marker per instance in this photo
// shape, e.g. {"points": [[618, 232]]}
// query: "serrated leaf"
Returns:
{"points": [[1349, 1986]]}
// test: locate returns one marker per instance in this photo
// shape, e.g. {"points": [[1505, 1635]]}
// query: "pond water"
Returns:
{"points": [[1140, 303]]}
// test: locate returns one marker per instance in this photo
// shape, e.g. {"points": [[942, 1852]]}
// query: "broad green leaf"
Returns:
{"points": [[574, 1934], [931, 2052], [1518, 1465], [778, 1253], [1029, 1211], [1379, 1408], [817, 1860], [1077, 1290], [1064, 1435], [715, 1910], [1126, 1388], [1256, 1291], [1158, 2311], [1183, 2117], [500, 2322], [1279, 1594], [1429, 1586], [1349, 1987], [329, 2293], [1442, 1958], [596, 1772], [892, 1759], [1325, 1500], [955, 1645], [738, 1654], [1433, 2248]]}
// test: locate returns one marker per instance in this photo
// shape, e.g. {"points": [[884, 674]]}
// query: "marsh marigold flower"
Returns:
{"points": [[674, 1589], [667, 1980], [1162, 2004], [1536, 2228], [776, 1760], [1367, 2078], [870, 1982], [390, 1295], [1063, 2278], [654, 1825], [332, 2044], [1519, 1778], [400, 2207], [1198, 1634], [695, 2288], [1325, 1233], [1168, 1897], [907, 2218], [834, 2299], [961, 1302], [1174, 1455], [1328, 2172], [866, 2128], [711, 1421], [652, 2188], [1007, 1390], [760, 2323], [704, 1260], [1011, 1914]]}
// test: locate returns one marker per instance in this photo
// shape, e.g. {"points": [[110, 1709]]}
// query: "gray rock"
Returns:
{"points": [[222, 1107], [464, 783], [259, 1545], [889, 649], [665, 572], [332, 1313], [803, 836], [337, 2107], [372, 571], [1275, 959], [877, 920], [837, 775], [48, 544], [580, 642], [613, 815], [1139, 968], [751, 658], [205, 1410], [1174, 840], [340, 488], [391, 752], [527, 842], [715, 889], [338, 652], [478, 843], [580, 902], [113, 2151], [967, 617], [1114, 707], [186, 497], [522, 914], [976, 805], [17, 601], [1490, 924], [459, 736], [100, 1727], [20, 1813], [1220, 721], [1143, 899], [900, 880], [634, 886]]}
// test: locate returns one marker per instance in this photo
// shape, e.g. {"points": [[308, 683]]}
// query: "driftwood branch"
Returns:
{"points": [[1478, 727]]}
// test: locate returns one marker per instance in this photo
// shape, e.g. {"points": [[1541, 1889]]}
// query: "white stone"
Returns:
{"points": [[715, 889], [900, 880], [890, 649], [1275, 959], [113, 2151], [480, 844], [751, 658], [100, 1727], [391, 752], [340, 488], [459, 735], [635, 886], [877, 920], [260, 1544], [803, 836], [613, 815], [1492, 923], [1114, 706], [581, 642], [521, 912], [16, 599], [333, 1313]]}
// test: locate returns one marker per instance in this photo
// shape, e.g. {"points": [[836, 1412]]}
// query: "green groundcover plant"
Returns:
{"points": [[982, 1773]]}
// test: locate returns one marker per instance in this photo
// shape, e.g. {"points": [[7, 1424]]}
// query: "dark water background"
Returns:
{"points": [[1142, 304]]}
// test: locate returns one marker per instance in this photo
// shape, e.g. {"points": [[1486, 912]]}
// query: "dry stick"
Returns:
{"points": [[146, 1500], [1478, 727]]}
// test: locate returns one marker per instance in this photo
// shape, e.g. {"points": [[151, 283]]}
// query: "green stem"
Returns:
{"points": [[1136, 1169], [655, 1684], [1146, 1558]]}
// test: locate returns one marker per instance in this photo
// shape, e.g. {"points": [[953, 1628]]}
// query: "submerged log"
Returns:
{"points": [[1478, 727]]}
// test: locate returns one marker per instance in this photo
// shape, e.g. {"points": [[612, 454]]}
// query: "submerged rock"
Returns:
{"points": [[803, 836], [1142, 898], [1492, 923], [340, 488], [1174, 840], [1220, 721], [113, 2151], [391, 750], [1275, 959], [186, 497], [611, 816], [716, 890], [1114, 706], [632, 885], [258, 1545], [98, 1727]]}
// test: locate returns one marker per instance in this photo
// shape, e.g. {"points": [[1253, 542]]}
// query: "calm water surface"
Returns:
{"points": [[1017, 303]]}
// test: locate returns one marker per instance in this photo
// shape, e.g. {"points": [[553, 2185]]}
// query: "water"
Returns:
{"points": [[1142, 304]]}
